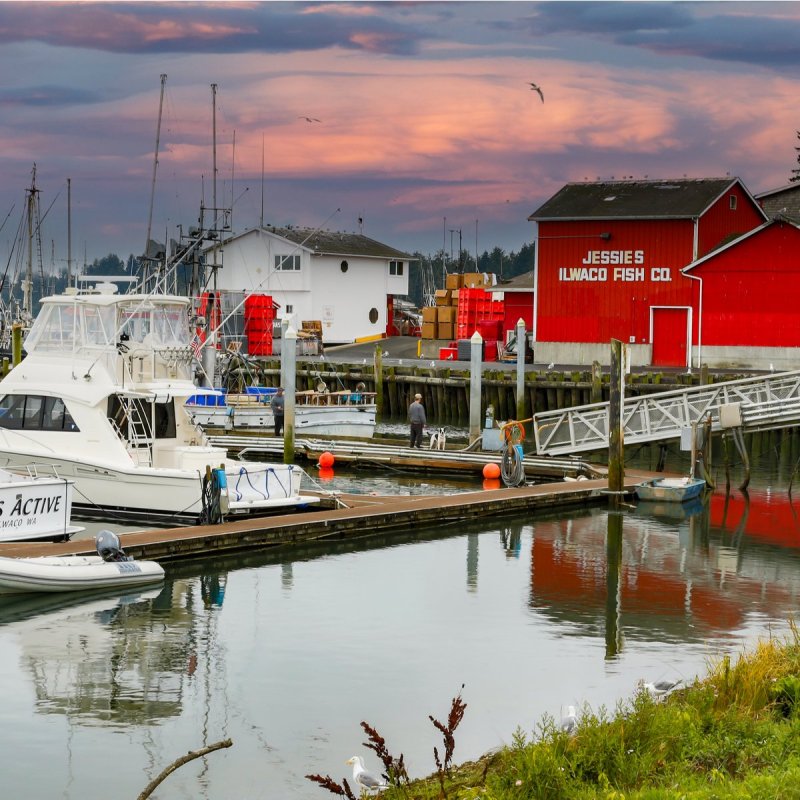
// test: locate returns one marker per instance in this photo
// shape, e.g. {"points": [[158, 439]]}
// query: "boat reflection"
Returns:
{"points": [[121, 659]]}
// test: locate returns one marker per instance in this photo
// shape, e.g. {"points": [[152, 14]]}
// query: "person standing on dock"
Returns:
{"points": [[416, 416], [278, 404]]}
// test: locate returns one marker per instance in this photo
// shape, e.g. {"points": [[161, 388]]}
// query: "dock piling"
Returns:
{"points": [[475, 375]]}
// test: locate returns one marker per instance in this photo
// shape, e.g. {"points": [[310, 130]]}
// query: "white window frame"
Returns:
{"points": [[287, 263], [396, 268]]}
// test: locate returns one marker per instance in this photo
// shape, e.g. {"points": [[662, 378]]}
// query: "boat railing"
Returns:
{"points": [[304, 398], [149, 363]]}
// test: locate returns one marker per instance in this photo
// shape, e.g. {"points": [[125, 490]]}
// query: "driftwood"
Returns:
{"points": [[179, 762]]}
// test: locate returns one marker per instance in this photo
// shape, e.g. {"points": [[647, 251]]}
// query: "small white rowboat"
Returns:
{"points": [[77, 573]]}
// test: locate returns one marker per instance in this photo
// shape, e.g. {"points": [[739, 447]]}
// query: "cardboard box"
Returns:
{"points": [[446, 314], [454, 281], [473, 279], [442, 297], [430, 313], [446, 330], [454, 297], [429, 330]]}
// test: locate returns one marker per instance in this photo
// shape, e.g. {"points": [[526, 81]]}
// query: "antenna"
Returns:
{"points": [[155, 165], [261, 220]]}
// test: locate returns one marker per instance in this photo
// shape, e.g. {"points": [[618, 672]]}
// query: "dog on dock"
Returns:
{"points": [[438, 439]]}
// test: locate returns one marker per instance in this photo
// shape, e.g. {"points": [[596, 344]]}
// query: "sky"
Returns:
{"points": [[412, 122]]}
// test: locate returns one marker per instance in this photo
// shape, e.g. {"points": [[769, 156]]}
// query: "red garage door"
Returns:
{"points": [[670, 337]]}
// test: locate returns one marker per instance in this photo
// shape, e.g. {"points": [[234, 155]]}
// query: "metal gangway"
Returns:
{"points": [[757, 403]]}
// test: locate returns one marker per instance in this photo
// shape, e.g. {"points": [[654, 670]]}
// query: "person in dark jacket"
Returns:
{"points": [[278, 404], [416, 416]]}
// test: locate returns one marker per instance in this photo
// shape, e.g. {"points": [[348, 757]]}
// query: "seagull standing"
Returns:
{"points": [[569, 722], [363, 777], [535, 88]]}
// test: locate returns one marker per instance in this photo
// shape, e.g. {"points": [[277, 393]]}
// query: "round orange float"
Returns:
{"points": [[326, 460], [491, 471]]}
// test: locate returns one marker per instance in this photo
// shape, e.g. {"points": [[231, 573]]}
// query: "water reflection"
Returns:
{"points": [[669, 574], [286, 650]]}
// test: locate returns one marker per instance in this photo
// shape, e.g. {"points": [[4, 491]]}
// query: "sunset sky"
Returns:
{"points": [[426, 120]]}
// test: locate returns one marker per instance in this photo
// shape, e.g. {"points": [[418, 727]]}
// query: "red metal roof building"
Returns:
{"points": [[609, 260], [748, 312]]}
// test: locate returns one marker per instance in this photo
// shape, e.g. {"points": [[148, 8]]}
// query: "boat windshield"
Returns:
{"points": [[162, 325], [68, 328]]}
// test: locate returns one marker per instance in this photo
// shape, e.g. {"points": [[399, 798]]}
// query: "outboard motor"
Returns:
{"points": [[109, 548]]}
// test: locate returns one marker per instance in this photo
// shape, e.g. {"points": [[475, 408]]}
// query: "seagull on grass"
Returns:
{"points": [[569, 722], [660, 689], [363, 777], [536, 89]]}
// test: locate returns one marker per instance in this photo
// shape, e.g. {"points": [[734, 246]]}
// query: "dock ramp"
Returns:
{"points": [[761, 403]]}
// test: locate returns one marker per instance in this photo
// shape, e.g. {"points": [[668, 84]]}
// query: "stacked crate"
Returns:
{"points": [[439, 320], [259, 315]]}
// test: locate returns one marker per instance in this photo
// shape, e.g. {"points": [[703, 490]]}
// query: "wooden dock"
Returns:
{"points": [[381, 453], [358, 515]]}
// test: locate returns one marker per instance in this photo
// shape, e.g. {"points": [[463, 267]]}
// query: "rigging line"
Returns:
{"points": [[296, 248], [7, 216]]}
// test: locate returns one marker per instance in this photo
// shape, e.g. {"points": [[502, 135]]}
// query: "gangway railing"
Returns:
{"points": [[765, 402]]}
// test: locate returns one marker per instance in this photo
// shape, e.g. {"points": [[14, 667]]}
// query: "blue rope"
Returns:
{"points": [[243, 472]]}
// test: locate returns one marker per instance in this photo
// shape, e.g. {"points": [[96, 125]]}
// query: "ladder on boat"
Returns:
{"points": [[140, 435], [761, 403]]}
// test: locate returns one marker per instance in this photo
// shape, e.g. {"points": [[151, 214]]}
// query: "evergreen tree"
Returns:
{"points": [[795, 176]]}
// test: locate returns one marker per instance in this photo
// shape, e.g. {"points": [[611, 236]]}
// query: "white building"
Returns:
{"points": [[345, 280]]}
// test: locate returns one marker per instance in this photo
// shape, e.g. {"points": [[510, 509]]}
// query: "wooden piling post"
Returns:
{"points": [[521, 368], [616, 446], [289, 383], [475, 367], [16, 343], [377, 365], [597, 382]]}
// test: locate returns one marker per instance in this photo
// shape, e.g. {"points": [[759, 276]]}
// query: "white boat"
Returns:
{"points": [[35, 508], [99, 400], [109, 569], [325, 413]]}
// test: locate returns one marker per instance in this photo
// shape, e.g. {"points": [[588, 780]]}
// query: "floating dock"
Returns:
{"points": [[357, 515], [378, 453]]}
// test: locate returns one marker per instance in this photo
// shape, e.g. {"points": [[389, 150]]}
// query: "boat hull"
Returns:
{"points": [[352, 421], [166, 495], [33, 509], [74, 574], [670, 490]]}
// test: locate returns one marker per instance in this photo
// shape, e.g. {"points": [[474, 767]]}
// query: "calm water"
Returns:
{"points": [[287, 651]]}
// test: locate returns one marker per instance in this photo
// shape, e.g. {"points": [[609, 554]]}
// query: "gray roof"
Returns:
{"points": [[609, 200], [337, 243], [519, 283], [783, 202]]}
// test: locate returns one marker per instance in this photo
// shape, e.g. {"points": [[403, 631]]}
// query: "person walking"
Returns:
{"points": [[278, 404], [416, 416]]}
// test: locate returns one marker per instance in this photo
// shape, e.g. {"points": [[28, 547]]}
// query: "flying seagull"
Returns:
{"points": [[535, 88], [309, 119], [363, 777]]}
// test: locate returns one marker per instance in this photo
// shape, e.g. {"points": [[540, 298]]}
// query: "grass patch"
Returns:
{"points": [[734, 734]]}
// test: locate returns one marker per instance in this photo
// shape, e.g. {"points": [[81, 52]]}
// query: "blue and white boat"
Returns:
{"points": [[316, 413]]}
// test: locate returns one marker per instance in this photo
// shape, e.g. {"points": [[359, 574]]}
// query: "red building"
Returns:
{"points": [[748, 313], [609, 260]]}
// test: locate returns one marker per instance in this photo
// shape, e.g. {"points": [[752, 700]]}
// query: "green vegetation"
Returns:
{"points": [[735, 734]]}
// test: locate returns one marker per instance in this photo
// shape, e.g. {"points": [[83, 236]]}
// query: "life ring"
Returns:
{"points": [[513, 432]]}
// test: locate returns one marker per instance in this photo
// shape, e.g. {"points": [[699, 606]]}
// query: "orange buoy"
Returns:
{"points": [[325, 474], [491, 471], [326, 460], [491, 483]]}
